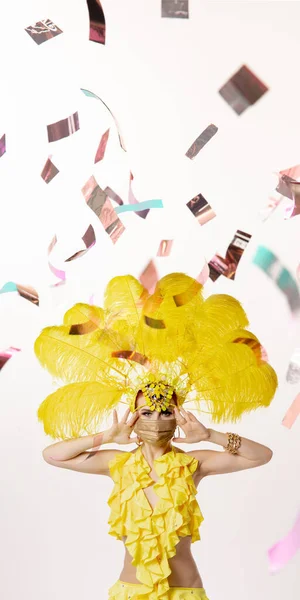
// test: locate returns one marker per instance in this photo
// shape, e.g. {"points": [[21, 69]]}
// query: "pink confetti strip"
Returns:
{"points": [[292, 413], [227, 266], [97, 21], [149, 277], [282, 552], [101, 205], [165, 248], [201, 209], [242, 90], [102, 147], [63, 128], [5, 355], [49, 171], [58, 272], [89, 239], [201, 141], [2, 145], [204, 275], [43, 30], [132, 200]]}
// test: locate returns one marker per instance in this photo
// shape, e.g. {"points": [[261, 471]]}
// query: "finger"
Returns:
{"points": [[115, 416], [193, 417], [123, 420], [133, 418], [185, 413], [179, 417], [178, 439]]}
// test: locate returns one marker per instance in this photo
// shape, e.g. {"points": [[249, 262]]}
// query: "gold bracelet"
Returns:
{"points": [[234, 443]]}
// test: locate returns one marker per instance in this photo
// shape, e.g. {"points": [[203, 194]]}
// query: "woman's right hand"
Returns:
{"points": [[119, 432]]}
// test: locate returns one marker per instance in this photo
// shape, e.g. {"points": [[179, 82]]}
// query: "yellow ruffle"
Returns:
{"points": [[152, 534]]}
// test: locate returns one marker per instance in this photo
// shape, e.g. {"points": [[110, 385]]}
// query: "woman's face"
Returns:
{"points": [[153, 415]]}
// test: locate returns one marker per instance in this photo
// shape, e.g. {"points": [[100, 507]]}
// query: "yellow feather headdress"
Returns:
{"points": [[170, 340]]}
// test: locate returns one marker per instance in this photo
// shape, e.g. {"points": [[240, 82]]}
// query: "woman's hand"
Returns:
{"points": [[119, 432], [193, 429]]}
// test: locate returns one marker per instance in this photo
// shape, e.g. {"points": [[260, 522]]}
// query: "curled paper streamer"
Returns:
{"points": [[92, 95], [43, 30], [25, 291], [149, 277], [204, 275], [97, 21], [132, 200], [49, 171], [139, 206], [58, 272], [292, 413], [242, 90], [227, 266], [2, 145], [175, 9], [101, 205], [201, 209], [5, 355], [280, 554], [102, 147], [201, 141], [89, 239], [64, 128], [165, 248], [270, 264], [293, 372]]}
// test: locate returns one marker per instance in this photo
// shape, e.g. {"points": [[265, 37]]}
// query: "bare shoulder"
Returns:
{"points": [[94, 462]]}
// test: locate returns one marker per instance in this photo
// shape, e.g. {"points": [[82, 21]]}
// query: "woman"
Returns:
{"points": [[158, 352]]}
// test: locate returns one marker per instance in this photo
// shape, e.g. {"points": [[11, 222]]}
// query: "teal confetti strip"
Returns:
{"points": [[139, 206], [9, 287], [271, 265]]}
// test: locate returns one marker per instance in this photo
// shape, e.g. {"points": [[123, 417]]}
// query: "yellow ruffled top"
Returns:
{"points": [[152, 534]]}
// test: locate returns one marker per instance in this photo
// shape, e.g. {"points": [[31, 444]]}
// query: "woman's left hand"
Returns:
{"points": [[193, 429]]}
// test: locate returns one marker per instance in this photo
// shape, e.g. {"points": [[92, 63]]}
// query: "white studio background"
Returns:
{"points": [[160, 78]]}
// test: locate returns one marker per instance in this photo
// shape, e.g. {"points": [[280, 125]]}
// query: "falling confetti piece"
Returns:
{"points": [[165, 248], [139, 206], [43, 30], [101, 205], [25, 291], [63, 128], [201, 209], [89, 239], [293, 372], [271, 265], [294, 210], [282, 552], [201, 141], [175, 9], [292, 413], [227, 266], [58, 272], [132, 200], [2, 145], [242, 90], [5, 355], [92, 95], [149, 277], [97, 21], [49, 171], [113, 196], [204, 275], [102, 147], [273, 203]]}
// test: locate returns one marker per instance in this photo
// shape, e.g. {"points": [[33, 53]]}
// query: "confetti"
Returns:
{"points": [[201, 209], [102, 147], [2, 145], [155, 323], [175, 9], [43, 30], [204, 275], [201, 141], [293, 372], [280, 554], [165, 248], [89, 239], [49, 171], [132, 200], [92, 95], [271, 265], [242, 90], [63, 128], [97, 21], [58, 272], [294, 210], [5, 355], [227, 266], [100, 204], [139, 206], [149, 277], [273, 203], [113, 196], [292, 413], [25, 291]]}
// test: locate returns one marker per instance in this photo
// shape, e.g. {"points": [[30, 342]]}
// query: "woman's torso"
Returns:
{"points": [[184, 569]]}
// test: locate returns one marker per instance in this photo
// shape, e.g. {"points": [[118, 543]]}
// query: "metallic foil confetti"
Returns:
{"points": [[140, 206], [113, 196], [131, 355], [271, 265], [203, 275], [175, 9], [282, 552], [292, 413], [2, 145], [242, 90], [294, 210], [227, 266], [273, 203], [49, 171], [149, 277], [201, 209], [43, 30], [92, 95], [165, 248], [83, 328], [58, 272], [89, 239], [63, 128], [5, 355], [132, 200], [100, 204], [287, 176], [97, 21], [102, 147], [25, 291], [189, 294], [201, 141], [293, 372], [155, 323]]}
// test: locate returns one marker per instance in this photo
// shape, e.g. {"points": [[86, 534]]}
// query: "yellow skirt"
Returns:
{"points": [[135, 591]]}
